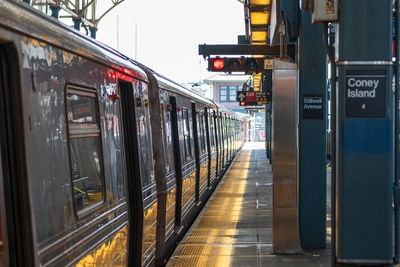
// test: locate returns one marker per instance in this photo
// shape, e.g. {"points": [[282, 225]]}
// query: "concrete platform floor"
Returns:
{"points": [[235, 227]]}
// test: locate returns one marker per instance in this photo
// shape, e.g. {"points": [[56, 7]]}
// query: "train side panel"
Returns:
{"points": [[77, 185]]}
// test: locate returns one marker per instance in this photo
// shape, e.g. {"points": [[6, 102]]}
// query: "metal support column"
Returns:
{"points": [[77, 23], [93, 32], [55, 11], [312, 134], [364, 133], [285, 224]]}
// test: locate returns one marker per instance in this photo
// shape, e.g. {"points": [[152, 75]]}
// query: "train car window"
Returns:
{"points": [[201, 128], [230, 128], [149, 143], [165, 142], [217, 129], [220, 124], [211, 130], [81, 109], [190, 119], [226, 128], [170, 146], [144, 150], [199, 131], [85, 149], [186, 133]]}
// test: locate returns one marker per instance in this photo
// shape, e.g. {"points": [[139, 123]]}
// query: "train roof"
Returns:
{"points": [[172, 86], [23, 19]]}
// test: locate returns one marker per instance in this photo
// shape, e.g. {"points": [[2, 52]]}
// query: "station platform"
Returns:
{"points": [[235, 226]]}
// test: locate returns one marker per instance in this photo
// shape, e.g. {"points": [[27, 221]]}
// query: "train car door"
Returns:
{"points": [[178, 163], [135, 200], [15, 222]]}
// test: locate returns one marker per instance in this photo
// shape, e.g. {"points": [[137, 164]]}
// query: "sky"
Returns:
{"points": [[169, 32]]}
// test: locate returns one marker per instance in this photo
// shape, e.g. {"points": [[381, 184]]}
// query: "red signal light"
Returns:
{"points": [[218, 64], [242, 103]]}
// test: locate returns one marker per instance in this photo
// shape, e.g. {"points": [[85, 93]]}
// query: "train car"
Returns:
{"points": [[185, 138], [102, 160], [65, 151]]}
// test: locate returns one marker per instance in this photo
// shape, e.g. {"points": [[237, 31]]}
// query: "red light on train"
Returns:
{"points": [[114, 97], [218, 64], [242, 103]]}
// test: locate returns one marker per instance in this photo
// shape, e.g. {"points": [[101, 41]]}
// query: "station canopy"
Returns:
{"points": [[257, 19]]}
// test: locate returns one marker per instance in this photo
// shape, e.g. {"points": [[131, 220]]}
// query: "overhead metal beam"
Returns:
{"points": [[265, 50], [86, 11], [259, 27], [261, 8]]}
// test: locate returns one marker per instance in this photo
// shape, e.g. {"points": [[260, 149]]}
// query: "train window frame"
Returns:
{"points": [[85, 130]]}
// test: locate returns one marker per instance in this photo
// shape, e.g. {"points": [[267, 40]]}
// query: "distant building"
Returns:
{"points": [[224, 88]]}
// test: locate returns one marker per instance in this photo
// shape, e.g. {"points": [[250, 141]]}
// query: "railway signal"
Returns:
{"points": [[243, 64], [218, 63]]}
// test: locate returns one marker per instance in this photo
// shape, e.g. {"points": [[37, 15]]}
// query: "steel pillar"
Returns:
{"points": [[55, 11], [93, 32], [285, 224], [312, 134], [77, 23], [364, 169]]}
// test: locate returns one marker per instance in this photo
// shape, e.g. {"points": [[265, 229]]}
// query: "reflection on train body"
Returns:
{"points": [[102, 160]]}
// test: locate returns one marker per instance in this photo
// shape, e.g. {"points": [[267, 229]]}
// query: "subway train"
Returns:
{"points": [[103, 161]]}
